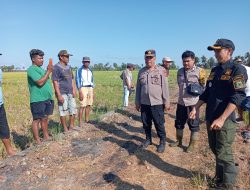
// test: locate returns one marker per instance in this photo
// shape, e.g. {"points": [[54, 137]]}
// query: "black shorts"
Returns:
{"points": [[4, 127], [42, 109]]}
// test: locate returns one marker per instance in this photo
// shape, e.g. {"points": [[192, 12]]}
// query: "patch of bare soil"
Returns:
{"points": [[106, 155]]}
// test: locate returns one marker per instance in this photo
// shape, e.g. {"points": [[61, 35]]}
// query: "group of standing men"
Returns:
{"points": [[65, 85], [223, 92]]}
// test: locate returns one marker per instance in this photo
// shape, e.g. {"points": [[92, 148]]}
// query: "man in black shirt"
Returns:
{"points": [[224, 92]]}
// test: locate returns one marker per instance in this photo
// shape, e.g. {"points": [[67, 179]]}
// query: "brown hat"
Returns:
{"points": [[64, 52]]}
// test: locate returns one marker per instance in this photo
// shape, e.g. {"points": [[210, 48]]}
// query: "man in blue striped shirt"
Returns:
{"points": [[85, 86]]}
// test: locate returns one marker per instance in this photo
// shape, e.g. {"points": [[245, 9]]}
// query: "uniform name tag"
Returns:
{"points": [[225, 77]]}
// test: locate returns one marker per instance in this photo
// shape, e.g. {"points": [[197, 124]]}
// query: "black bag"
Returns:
{"points": [[121, 76], [194, 89]]}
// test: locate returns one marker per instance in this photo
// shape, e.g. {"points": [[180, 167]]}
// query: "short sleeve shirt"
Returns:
{"points": [[63, 75], [127, 74], [38, 93]]}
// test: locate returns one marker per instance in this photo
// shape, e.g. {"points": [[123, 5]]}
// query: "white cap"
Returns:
{"points": [[167, 59]]}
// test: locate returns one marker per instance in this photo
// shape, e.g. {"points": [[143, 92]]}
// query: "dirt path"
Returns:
{"points": [[106, 155]]}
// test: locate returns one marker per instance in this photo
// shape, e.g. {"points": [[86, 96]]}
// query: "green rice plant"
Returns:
{"points": [[199, 181]]}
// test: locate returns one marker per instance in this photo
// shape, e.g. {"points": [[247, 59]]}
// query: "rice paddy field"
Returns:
{"points": [[108, 96]]}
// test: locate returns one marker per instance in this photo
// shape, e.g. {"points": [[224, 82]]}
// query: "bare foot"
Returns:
{"points": [[11, 152]]}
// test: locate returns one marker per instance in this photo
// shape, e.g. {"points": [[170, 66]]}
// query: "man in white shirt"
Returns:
{"points": [[85, 86], [127, 83]]}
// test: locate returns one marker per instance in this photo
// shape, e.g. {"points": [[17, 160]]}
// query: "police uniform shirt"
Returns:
{"points": [[194, 75], [152, 87], [225, 84]]}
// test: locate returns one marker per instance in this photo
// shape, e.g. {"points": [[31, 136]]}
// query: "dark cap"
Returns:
{"points": [[0, 54], [64, 52], [150, 53], [222, 43], [86, 59], [34, 52], [130, 65]]}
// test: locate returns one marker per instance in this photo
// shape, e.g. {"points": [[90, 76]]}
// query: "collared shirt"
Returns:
{"points": [[64, 76], [225, 84], [38, 93], [151, 87], [184, 78], [127, 74], [84, 78]]}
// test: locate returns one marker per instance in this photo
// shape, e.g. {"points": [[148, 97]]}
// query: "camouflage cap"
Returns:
{"points": [[64, 52]]}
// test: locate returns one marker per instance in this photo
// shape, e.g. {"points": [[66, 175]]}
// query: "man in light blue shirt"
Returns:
{"points": [[85, 86], [4, 127]]}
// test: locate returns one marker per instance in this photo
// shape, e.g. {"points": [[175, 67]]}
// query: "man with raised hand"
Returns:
{"points": [[41, 96]]}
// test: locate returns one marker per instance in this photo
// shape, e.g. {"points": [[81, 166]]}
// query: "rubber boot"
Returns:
{"points": [[161, 147], [179, 136], [193, 141]]}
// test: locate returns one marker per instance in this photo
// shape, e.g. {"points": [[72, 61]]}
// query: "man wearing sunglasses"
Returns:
{"points": [[152, 97], [65, 89]]}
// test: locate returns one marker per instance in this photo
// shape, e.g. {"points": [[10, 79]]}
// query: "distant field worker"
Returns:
{"points": [[128, 85], [41, 95], [225, 90], [65, 89], [85, 86], [4, 127], [188, 75], [152, 97], [166, 63]]}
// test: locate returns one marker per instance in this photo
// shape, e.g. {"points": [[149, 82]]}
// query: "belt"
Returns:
{"points": [[87, 86]]}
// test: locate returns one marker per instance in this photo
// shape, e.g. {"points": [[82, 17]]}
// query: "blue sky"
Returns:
{"points": [[119, 31]]}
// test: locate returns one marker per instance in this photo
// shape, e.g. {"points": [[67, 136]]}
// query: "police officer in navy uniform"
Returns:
{"points": [[224, 92], [152, 97]]}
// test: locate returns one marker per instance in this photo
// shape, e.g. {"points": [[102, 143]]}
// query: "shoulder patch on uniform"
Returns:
{"points": [[239, 82]]}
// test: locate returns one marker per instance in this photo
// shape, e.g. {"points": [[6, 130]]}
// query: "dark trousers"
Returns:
{"points": [[182, 113], [4, 127], [155, 113], [220, 142]]}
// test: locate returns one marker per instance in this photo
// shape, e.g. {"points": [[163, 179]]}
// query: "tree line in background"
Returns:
{"points": [[203, 61]]}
